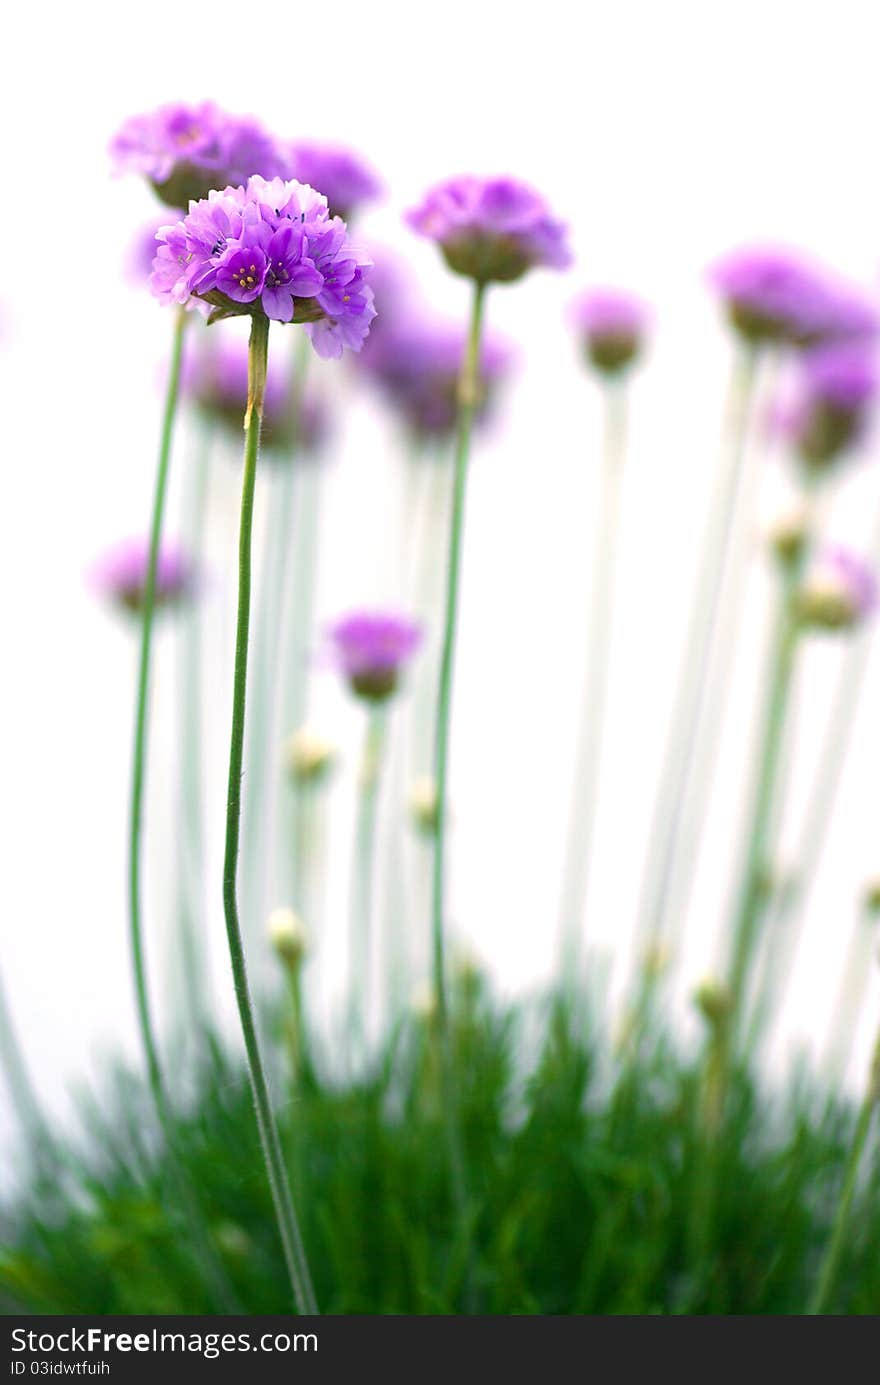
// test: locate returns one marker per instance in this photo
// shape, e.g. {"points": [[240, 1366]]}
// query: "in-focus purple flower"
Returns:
{"points": [[341, 175], [185, 150], [612, 324], [216, 379], [838, 386], [371, 648], [121, 575], [491, 229], [417, 362], [839, 591], [272, 248], [777, 294]]}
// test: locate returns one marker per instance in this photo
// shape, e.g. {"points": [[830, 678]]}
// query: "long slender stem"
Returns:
{"points": [[468, 394], [191, 843], [364, 861], [200, 1241], [468, 397], [18, 1078], [840, 1229], [588, 754], [294, 1252], [850, 997], [753, 888], [139, 760], [693, 677]]}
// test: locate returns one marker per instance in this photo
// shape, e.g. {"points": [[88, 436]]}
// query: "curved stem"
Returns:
{"points": [[294, 1252], [840, 1228], [145, 1020], [588, 754], [693, 678]]}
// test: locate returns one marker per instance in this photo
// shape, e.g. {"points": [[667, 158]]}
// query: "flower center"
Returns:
{"points": [[246, 276]]}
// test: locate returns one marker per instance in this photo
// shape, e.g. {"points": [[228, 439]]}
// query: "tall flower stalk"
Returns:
{"points": [[364, 863], [270, 1140], [468, 399], [693, 678]]}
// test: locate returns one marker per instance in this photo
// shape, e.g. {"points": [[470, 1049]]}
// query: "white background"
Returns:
{"points": [[664, 134]]}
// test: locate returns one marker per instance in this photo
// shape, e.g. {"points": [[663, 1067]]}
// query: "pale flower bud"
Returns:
{"points": [[423, 804], [423, 1001], [309, 756], [789, 532], [713, 1001], [287, 935]]}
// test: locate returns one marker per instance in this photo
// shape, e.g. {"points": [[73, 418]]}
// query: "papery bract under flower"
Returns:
{"points": [[186, 150], [491, 229], [341, 175], [612, 324], [121, 575], [370, 649], [272, 248]]}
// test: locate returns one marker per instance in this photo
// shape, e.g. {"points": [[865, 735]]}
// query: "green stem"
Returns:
{"points": [[588, 754], [270, 1140], [693, 678], [200, 1240], [145, 1020], [362, 878], [468, 395], [840, 1229], [753, 890], [191, 844]]}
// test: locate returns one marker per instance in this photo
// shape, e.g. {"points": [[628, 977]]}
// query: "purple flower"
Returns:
{"points": [[185, 150], [121, 576], [612, 324], [417, 363], [776, 294], [216, 379], [839, 592], [273, 248], [341, 175], [837, 387], [491, 229], [370, 649]]}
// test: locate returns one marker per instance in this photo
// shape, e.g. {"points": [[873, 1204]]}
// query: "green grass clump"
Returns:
{"points": [[585, 1170]]}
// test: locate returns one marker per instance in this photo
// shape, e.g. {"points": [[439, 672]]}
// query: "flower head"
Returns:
{"points": [[838, 385], [491, 229], [371, 648], [309, 756], [272, 248], [288, 936], [417, 361], [186, 150], [121, 576], [839, 591], [216, 379], [341, 175], [776, 294], [612, 325]]}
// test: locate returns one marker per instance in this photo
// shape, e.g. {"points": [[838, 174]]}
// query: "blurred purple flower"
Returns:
{"points": [[777, 294], [416, 363], [185, 151], [837, 388], [839, 591], [491, 229], [612, 324], [344, 178], [216, 379], [370, 648], [120, 575], [273, 248]]}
